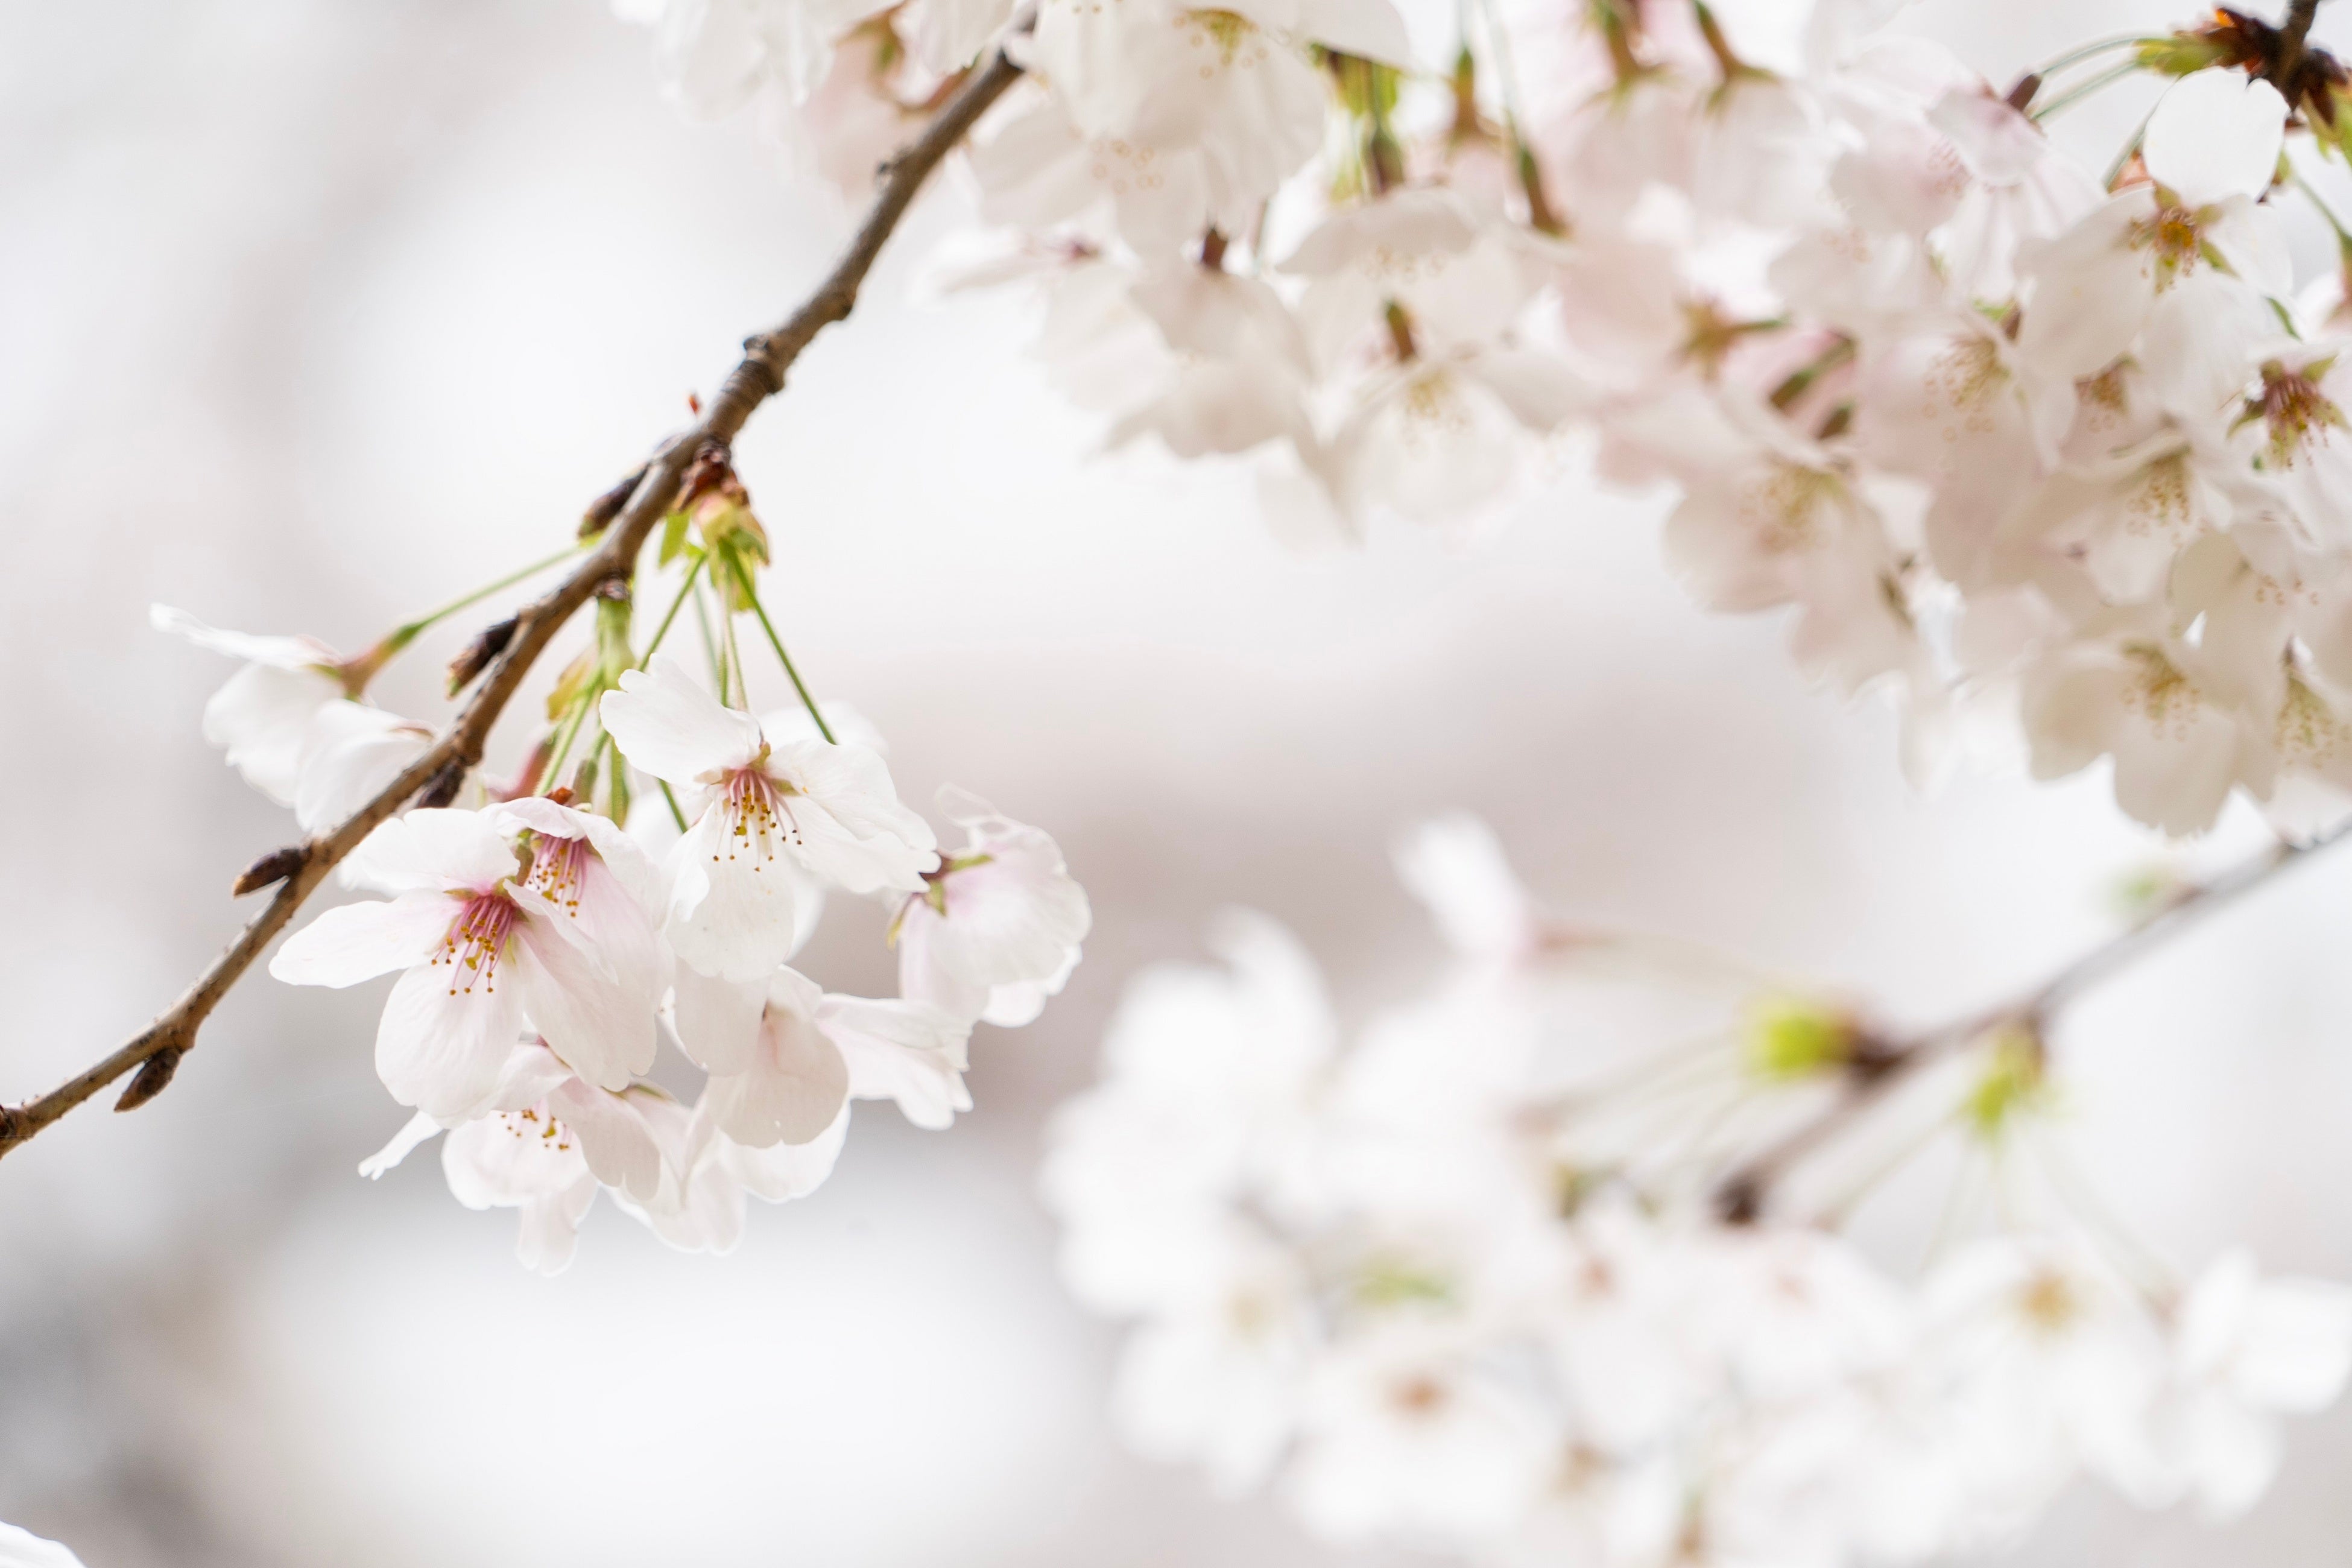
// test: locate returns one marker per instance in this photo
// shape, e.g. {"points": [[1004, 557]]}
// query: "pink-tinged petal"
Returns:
{"points": [[601, 1028], [790, 1091], [260, 717], [672, 728], [350, 753], [511, 1157], [623, 855], [738, 906], [434, 848], [440, 1047], [718, 1021], [788, 1171], [420, 1129], [550, 1229], [359, 941], [904, 1051], [614, 1138], [1013, 917], [1015, 1005], [577, 891], [850, 828], [531, 1073], [928, 967], [282, 653]]}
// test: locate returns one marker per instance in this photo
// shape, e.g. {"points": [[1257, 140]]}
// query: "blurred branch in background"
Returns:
{"points": [[1874, 1066], [435, 776]]}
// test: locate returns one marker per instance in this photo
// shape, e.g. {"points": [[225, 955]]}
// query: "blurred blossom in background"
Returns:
{"points": [[314, 312]]}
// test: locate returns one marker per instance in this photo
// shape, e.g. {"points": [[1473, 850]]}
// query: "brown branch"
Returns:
{"points": [[2288, 59], [1740, 1197], [156, 1051]]}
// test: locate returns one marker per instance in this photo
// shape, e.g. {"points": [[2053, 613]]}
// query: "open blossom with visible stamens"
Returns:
{"points": [[480, 950], [548, 1144], [772, 822], [785, 1058], [996, 928]]}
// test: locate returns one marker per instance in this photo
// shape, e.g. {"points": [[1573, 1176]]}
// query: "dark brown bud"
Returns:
{"points": [[274, 866], [443, 787], [153, 1076], [608, 506], [2020, 97], [476, 655]]}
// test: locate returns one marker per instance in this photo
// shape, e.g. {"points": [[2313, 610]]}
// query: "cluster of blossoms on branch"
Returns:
{"points": [[2051, 454], [647, 877], [1470, 1284]]}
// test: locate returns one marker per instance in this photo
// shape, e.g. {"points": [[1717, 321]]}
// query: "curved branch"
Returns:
{"points": [[156, 1051], [1875, 1071]]}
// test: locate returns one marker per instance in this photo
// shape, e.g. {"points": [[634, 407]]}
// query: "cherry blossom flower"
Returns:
{"points": [[546, 1146], [482, 943], [996, 929], [2246, 1349], [291, 727], [707, 1177], [782, 1064], [1404, 1434], [262, 716], [771, 823]]}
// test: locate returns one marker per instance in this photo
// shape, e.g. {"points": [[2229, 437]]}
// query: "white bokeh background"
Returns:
{"points": [[314, 312]]}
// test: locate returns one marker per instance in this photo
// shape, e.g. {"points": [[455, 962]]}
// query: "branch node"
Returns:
{"points": [[153, 1076]]}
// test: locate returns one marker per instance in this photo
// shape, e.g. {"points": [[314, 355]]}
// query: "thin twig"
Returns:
{"points": [[1874, 1074], [759, 376]]}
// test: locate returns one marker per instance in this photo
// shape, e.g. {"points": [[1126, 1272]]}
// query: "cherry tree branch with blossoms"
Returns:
{"points": [[1874, 1067], [625, 518]]}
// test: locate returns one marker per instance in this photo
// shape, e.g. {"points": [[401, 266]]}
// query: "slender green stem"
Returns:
{"points": [[2076, 56], [741, 679], [552, 773], [407, 633], [676, 815], [2073, 96], [778, 644], [710, 651], [676, 605]]}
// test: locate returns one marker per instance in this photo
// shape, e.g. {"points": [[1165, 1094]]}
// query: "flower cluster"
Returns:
{"points": [[2019, 441], [649, 878], [1461, 1284]]}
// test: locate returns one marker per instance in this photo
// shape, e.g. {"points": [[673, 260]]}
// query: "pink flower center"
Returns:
{"points": [[557, 869], [476, 940], [759, 823]]}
